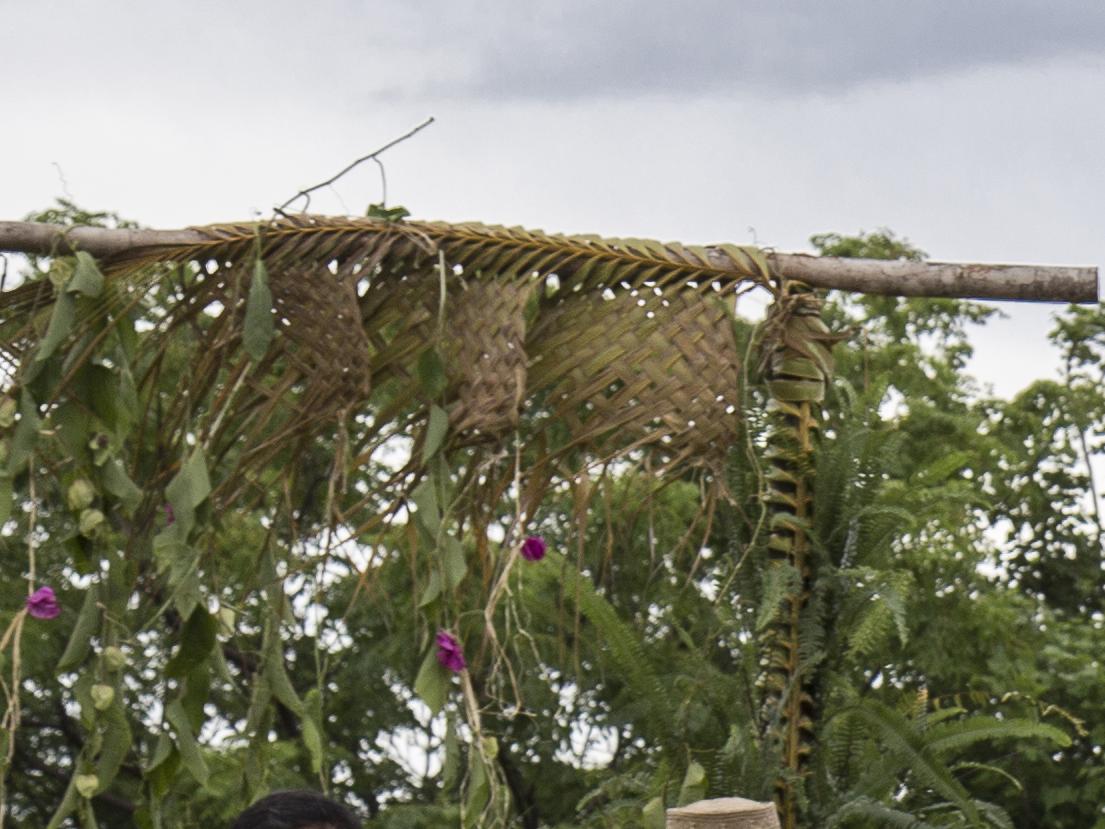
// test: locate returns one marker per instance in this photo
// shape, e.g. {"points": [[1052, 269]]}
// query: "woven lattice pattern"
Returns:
{"points": [[641, 366], [480, 332], [486, 353], [724, 813], [634, 348], [320, 314]]}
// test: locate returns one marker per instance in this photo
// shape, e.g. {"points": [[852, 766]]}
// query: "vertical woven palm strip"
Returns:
{"points": [[799, 366]]}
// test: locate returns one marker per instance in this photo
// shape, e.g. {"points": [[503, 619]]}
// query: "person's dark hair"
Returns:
{"points": [[296, 809]]}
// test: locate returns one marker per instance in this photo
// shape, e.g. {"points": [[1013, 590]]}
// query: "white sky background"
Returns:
{"points": [[976, 129]]}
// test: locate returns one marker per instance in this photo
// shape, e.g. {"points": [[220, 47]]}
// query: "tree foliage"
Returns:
{"points": [[248, 608]]}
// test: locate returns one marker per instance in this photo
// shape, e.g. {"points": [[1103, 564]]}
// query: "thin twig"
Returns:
{"points": [[383, 182], [306, 194]]}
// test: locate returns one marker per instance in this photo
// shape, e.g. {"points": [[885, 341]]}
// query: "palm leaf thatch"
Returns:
{"points": [[624, 342]]}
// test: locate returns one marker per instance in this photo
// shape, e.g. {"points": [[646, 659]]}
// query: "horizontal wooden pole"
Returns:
{"points": [[1034, 283]]}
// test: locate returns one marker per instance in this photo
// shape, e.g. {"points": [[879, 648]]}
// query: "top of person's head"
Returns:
{"points": [[296, 809]]}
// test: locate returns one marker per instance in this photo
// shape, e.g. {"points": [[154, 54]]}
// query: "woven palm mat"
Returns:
{"points": [[320, 314], [641, 367], [481, 338]]}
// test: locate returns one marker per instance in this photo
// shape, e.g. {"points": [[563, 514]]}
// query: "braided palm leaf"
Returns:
{"points": [[635, 347], [799, 365]]}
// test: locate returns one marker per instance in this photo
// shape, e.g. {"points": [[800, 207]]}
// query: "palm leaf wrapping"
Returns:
{"points": [[634, 348], [799, 365]]}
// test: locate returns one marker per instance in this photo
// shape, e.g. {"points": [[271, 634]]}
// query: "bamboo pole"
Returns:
{"points": [[1035, 283]]}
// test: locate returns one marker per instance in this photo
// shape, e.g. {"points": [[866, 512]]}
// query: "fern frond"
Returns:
{"points": [[872, 813], [910, 747], [617, 642], [956, 735]]}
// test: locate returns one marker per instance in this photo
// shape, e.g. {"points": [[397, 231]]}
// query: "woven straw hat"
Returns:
{"points": [[724, 813]]}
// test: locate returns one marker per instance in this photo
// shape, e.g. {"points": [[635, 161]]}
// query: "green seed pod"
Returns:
{"points": [[102, 697], [114, 658], [60, 273], [227, 617], [7, 411], [90, 522], [87, 784], [80, 495]]}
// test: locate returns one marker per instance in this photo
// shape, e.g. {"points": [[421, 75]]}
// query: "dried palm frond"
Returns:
{"points": [[633, 347]]}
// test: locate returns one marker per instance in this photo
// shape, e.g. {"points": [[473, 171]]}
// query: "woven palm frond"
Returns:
{"points": [[646, 366], [633, 347]]}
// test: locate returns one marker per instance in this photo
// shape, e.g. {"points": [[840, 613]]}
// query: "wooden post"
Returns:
{"points": [[724, 813], [1035, 283]]}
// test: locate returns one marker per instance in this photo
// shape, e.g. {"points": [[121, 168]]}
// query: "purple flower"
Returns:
{"points": [[43, 604], [170, 516], [533, 548], [449, 654]]}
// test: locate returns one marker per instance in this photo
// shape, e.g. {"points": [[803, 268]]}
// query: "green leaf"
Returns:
{"points": [[80, 640], [779, 581], [185, 580], [258, 706], [479, 791], [191, 485], [453, 563], [653, 815], [436, 429], [694, 784], [796, 391], [280, 684], [431, 373], [197, 638], [168, 548], [117, 483], [116, 744], [61, 323], [903, 741], [387, 214], [5, 498], [432, 589], [432, 683], [450, 768], [962, 734], [259, 326], [25, 434], [186, 743], [429, 513], [87, 278], [188, 489], [312, 728]]}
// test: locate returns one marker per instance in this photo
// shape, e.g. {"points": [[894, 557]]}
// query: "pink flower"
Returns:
{"points": [[533, 548], [449, 653], [43, 604], [170, 516]]}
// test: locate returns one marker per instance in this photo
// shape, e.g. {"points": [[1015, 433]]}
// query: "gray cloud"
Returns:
{"points": [[577, 49], [351, 52]]}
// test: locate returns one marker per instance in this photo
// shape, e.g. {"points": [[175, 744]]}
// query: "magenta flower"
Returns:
{"points": [[449, 653], [43, 604], [533, 548]]}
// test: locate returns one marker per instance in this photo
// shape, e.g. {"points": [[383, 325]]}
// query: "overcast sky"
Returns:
{"points": [[976, 128]]}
